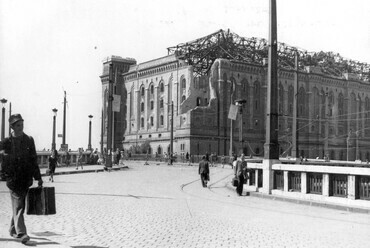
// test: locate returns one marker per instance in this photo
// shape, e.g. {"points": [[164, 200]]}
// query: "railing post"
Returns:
{"points": [[268, 175], [286, 181], [325, 185], [304, 182], [351, 187]]}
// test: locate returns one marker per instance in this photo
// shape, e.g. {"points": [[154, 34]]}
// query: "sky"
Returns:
{"points": [[51, 46]]}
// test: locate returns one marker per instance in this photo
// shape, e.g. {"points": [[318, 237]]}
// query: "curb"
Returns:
{"points": [[86, 171], [304, 202]]}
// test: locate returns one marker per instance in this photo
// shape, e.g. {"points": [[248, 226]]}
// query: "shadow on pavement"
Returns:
{"points": [[89, 246], [31, 242]]}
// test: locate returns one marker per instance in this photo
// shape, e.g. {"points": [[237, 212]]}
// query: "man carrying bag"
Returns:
{"points": [[19, 167], [240, 174]]}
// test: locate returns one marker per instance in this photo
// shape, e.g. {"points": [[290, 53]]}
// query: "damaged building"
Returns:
{"points": [[195, 84]]}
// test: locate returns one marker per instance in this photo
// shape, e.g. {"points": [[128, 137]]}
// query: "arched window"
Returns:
{"points": [[302, 102], [161, 103], [142, 122], [199, 101], [281, 99], [151, 120], [161, 87], [142, 91], [159, 150], [152, 89], [257, 97], [142, 107], [290, 99], [151, 105], [183, 83], [183, 98], [161, 122]]}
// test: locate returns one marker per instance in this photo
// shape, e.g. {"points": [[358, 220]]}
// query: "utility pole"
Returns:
{"points": [[271, 147], [295, 151], [171, 136], [109, 134], [3, 101], [10, 114], [64, 123]]}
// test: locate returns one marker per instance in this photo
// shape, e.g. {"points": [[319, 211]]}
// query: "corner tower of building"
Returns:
{"points": [[117, 91]]}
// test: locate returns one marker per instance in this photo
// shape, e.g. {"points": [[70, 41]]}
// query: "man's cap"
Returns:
{"points": [[14, 118]]}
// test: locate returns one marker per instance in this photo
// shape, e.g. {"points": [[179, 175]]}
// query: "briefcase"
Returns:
{"points": [[41, 201], [235, 181]]}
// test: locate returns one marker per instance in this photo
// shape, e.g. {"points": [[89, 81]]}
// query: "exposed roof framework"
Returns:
{"points": [[202, 52]]}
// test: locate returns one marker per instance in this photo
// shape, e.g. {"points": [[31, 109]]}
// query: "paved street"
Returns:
{"points": [[165, 206]]}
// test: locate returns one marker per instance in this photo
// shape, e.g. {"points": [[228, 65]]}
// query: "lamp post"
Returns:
{"points": [[357, 151], [240, 103], [89, 145], [3, 101], [171, 135], [54, 120], [348, 138]]}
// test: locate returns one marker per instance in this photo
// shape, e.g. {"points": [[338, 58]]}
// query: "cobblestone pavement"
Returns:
{"points": [[165, 206]]}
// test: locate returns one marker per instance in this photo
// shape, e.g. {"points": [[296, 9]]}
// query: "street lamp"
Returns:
{"points": [[3, 101], [348, 138], [54, 120], [240, 103], [89, 145]]}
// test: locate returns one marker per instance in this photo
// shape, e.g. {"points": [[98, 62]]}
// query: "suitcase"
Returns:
{"points": [[235, 181], [41, 201]]}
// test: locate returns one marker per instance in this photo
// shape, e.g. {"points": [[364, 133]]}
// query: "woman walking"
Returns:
{"points": [[53, 161]]}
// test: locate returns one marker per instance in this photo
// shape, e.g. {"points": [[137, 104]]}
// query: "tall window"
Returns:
{"points": [[161, 120], [142, 91], [161, 87], [142, 122], [142, 107], [152, 89], [257, 97], [183, 83], [151, 121], [183, 98], [161, 103], [151, 105]]}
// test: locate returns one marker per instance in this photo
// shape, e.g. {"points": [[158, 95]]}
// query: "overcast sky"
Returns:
{"points": [[49, 46]]}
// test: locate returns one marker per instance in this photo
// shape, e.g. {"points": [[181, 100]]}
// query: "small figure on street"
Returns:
{"points": [[53, 161], [68, 159], [117, 156], [204, 171], [19, 168], [240, 172], [223, 161], [79, 159], [187, 157]]}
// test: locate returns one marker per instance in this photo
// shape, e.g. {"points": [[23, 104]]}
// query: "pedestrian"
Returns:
{"points": [[204, 171], [117, 156], [223, 161], [79, 159], [19, 168], [68, 159], [53, 161], [240, 171], [187, 157]]}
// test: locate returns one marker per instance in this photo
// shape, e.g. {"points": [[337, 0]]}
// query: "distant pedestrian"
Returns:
{"points": [[117, 156], [187, 157], [79, 160], [53, 161], [19, 168], [204, 171], [223, 161], [240, 173], [68, 159]]}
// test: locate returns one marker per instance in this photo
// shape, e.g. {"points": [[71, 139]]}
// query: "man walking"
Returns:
{"points": [[204, 171], [19, 167], [239, 170]]}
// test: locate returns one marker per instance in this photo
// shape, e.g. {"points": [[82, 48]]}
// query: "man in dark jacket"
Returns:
{"points": [[204, 171], [19, 167], [239, 172]]}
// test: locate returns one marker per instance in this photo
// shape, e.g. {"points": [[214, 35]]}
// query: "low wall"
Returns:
{"points": [[331, 183], [43, 157]]}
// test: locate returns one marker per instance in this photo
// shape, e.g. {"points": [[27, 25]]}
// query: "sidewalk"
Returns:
{"points": [[86, 169]]}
